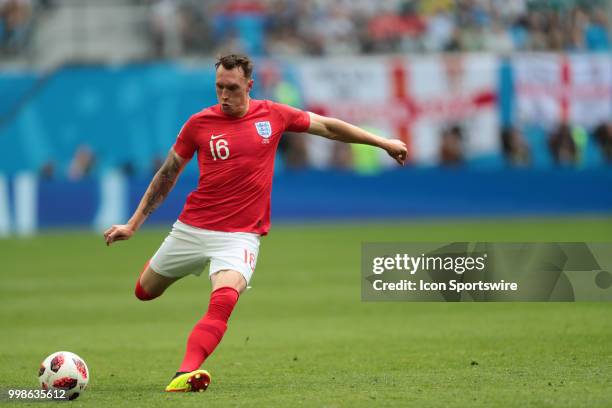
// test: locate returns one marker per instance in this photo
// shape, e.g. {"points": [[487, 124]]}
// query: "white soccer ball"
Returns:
{"points": [[65, 371]]}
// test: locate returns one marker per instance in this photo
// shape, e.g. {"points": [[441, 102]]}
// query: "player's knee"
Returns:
{"points": [[139, 291], [229, 278], [142, 294]]}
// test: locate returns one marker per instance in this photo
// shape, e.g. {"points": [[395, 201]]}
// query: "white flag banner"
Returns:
{"points": [[352, 89], [590, 89], [553, 88], [454, 91], [415, 100]]}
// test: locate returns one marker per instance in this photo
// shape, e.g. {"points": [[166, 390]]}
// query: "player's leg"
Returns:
{"points": [[231, 268], [230, 279], [151, 284], [180, 254], [208, 332]]}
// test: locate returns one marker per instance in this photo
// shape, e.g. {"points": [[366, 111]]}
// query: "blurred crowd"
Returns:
{"points": [[566, 147], [319, 27]]}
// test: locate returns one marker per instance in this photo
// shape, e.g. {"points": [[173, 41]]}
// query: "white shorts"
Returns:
{"points": [[187, 250]]}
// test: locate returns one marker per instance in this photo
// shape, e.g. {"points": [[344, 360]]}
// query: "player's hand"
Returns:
{"points": [[118, 233], [397, 149]]}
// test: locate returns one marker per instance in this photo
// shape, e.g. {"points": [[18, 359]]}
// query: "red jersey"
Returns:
{"points": [[236, 160]]}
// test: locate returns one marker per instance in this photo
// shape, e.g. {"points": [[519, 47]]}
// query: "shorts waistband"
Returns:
{"points": [[207, 231]]}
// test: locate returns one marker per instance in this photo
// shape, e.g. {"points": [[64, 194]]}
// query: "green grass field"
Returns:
{"points": [[302, 336]]}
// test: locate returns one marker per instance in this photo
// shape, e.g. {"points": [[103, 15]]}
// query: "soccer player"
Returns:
{"points": [[225, 216]]}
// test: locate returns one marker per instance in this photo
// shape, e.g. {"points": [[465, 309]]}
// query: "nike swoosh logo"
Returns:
{"points": [[216, 136]]}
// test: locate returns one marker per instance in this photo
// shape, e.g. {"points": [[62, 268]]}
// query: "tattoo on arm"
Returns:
{"points": [[162, 184]]}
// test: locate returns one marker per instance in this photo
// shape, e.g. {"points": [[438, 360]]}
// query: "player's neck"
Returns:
{"points": [[245, 110], [246, 107]]}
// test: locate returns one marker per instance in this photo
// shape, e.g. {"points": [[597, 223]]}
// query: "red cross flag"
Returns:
{"points": [[415, 100], [552, 88]]}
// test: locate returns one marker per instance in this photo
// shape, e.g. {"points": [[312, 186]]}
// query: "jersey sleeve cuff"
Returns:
{"points": [[182, 150], [304, 123]]}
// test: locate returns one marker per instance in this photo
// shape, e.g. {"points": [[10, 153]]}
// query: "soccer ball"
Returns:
{"points": [[65, 371]]}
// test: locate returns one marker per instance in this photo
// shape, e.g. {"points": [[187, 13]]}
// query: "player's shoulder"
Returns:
{"points": [[278, 108], [263, 107], [271, 105], [205, 113], [256, 105], [202, 116]]}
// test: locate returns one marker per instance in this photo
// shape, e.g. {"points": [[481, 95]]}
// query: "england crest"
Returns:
{"points": [[264, 129]]}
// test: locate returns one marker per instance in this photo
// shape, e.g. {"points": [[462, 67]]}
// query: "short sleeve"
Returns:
{"points": [[185, 145], [296, 120]]}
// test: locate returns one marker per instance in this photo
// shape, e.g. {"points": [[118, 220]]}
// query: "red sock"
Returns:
{"points": [[208, 332], [139, 290], [141, 293]]}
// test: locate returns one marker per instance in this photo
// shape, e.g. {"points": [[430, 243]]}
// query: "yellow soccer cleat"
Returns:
{"points": [[194, 381]]}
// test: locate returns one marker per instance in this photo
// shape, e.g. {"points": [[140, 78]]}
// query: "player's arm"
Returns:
{"points": [[336, 129], [158, 190]]}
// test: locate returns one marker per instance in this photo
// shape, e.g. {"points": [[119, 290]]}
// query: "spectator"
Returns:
{"points": [[82, 163], [451, 147], [603, 136], [562, 146], [440, 31], [342, 156], [499, 39], [165, 27], [596, 31], [519, 32], [244, 22], [515, 148], [293, 149], [48, 170], [15, 21]]}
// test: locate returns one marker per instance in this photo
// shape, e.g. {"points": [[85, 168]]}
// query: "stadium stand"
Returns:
{"points": [[122, 70]]}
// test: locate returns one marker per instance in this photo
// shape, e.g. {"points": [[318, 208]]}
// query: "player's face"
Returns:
{"points": [[233, 90]]}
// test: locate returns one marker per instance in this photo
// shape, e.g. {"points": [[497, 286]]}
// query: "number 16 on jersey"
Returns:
{"points": [[219, 148]]}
